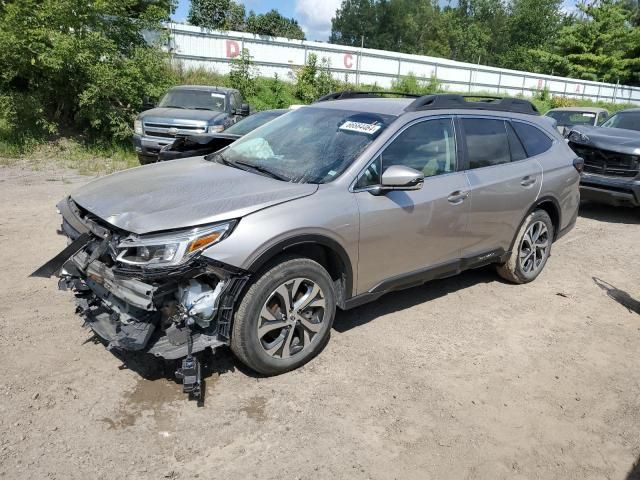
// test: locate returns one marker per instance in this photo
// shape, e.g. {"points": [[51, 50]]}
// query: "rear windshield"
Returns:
{"points": [[566, 119], [308, 145], [193, 100], [626, 120]]}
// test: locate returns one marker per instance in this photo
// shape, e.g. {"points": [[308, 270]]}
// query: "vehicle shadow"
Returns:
{"points": [[608, 213], [620, 296], [634, 473], [400, 300]]}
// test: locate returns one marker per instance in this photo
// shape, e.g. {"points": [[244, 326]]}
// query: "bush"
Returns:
{"points": [[411, 84], [82, 67], [558, 102], [243, 73]]}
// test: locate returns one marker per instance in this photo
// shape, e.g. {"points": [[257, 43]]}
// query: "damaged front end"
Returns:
{"points": [[149, 293]]}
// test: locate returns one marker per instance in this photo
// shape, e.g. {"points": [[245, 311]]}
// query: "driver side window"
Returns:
{"points": [[428, 147]]}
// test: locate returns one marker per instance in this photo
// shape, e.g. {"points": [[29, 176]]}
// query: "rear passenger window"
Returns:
{"points": [[487, 142], [515, 145], [535, 142]]}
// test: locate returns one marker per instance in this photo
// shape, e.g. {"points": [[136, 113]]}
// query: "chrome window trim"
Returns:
{"points": [[401, 130]]}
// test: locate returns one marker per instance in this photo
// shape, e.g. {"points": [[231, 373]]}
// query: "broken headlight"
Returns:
{"points": [[578, 137], [170, 249]]}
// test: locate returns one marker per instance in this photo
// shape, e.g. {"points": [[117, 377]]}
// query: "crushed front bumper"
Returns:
{"points": [[616, 191], [137, 310]]}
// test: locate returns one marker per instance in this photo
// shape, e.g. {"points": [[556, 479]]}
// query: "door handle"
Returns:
{"points": [[527, 181], [458, 196]]}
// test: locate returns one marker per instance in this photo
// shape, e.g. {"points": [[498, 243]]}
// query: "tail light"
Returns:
{"points": [[578, 164]]}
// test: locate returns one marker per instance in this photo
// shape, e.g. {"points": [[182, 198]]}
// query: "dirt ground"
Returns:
{"points": [[464, 378]]}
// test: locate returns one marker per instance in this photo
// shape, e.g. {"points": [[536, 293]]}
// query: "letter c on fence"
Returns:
{"points": [[233, 49], [348, 60]]}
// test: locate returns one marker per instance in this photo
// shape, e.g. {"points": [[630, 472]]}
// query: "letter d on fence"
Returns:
{"points": [[233, 49]]}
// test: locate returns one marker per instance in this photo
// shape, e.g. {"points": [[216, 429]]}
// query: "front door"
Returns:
{"points": [[404, 233]]}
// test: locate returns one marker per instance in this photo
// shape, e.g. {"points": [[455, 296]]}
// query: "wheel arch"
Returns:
{"points": [[550, 205], [324, 250]]}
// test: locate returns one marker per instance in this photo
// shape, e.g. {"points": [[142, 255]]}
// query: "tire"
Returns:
{"points": [[270, 344], [146, 159], [533, 260]]}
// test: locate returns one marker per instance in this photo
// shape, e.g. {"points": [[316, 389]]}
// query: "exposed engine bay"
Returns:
{"points": [[172, 311]]}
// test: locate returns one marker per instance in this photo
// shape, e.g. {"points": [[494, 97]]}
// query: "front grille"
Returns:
{"points": [[163, 130], [606, 162]]}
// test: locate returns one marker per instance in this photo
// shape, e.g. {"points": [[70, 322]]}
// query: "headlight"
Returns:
{"points": [[576, 136], [166, 250], [137, 126], [215, 128]]}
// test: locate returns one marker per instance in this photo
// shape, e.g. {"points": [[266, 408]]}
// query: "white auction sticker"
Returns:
{"points": [[368, 128]]}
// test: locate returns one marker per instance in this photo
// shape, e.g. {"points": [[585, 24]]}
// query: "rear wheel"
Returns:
{"points": [[531, 249], [285, 318]]}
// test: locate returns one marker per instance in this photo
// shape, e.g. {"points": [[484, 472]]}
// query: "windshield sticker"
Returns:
{"points": [[589, 115], [368, 128]]}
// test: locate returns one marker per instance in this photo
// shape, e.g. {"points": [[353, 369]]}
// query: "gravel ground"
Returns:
{"points": [[464, 378]]}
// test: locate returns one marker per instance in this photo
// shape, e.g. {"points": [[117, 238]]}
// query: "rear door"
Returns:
{"points": [[503, 180]]}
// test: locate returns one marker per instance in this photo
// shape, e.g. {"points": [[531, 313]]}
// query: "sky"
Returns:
{"points": [[314, 16]]}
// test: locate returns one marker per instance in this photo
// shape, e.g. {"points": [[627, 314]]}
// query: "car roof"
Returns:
{"points": [[629, 110], [206, 88], [579, 109]]}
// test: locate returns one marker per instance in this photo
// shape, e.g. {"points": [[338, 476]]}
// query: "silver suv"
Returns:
{"points": [[328, 206]]}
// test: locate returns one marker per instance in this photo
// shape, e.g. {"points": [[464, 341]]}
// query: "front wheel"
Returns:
{"points": [[285, 317], [531, 249]]}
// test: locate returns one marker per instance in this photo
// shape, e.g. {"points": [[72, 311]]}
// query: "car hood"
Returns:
{"points": [[182, 194], [614, 139], [179, 115]]}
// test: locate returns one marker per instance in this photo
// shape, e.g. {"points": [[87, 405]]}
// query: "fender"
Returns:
{"points": [[312, 239]]}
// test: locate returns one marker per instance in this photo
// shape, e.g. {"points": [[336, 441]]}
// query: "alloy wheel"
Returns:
{"points": [[534, 247], [291, 318]]}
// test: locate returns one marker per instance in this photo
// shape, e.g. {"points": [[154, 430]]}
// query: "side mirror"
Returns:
{"points": [[244, 110], [148, 104], [399, 177]]}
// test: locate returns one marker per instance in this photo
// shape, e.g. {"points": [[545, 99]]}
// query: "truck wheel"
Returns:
{"points": [[531, 249], [146, 159], [285, 317]]}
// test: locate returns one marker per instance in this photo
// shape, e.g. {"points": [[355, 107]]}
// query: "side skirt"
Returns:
{"points": [[418, 277]]}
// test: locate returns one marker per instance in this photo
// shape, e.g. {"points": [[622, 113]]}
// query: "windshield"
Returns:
{"points": [[193, 99], [254, 121], [626, 120], [565, 119], [308, 145]]}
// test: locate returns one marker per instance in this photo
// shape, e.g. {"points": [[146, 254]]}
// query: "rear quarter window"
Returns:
{"points": [[535, 141]]}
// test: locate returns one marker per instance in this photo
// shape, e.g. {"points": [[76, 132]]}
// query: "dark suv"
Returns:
{"points": [[329, 206], [611, 154]]}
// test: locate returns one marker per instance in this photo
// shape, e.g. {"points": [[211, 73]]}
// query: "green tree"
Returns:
{"points": [[85, 66], [273, 24], [599, 44], [217, 14]]}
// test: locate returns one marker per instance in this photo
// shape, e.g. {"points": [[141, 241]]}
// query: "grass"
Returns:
{"points": [[70, 154]]}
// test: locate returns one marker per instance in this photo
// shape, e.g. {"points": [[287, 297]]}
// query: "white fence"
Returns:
{"points": [[195, 47]]}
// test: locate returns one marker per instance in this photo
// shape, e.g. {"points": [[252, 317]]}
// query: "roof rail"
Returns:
{"points": [[450, 101], [361, 94]]}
